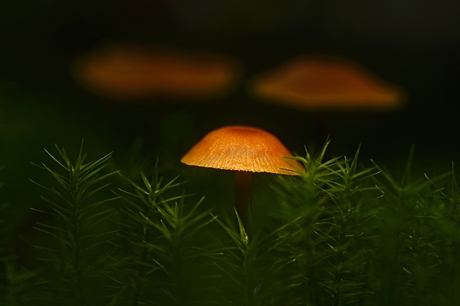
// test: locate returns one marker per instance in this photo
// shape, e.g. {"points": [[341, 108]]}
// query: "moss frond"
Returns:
{"points": [[79, 232], [160, 235]]}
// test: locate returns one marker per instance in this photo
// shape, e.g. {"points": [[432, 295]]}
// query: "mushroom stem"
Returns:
{"points": [[243, 182]]}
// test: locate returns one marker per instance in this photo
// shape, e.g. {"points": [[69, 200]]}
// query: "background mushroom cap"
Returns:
{"points": [[241, 148], [325, 83], [133, 71]]}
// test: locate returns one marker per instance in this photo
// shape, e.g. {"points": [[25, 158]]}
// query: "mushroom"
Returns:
{"points": [[326, 83], [245, 150], [137, 72]]}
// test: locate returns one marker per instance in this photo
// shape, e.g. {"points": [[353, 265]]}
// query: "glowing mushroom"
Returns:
{"points": [[244, 150], [326, 83], [138, 72]]}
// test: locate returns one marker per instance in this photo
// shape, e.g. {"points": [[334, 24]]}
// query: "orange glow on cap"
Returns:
{"points": [[242, 148]]}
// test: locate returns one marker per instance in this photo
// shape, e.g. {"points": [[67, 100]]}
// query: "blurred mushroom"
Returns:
{"points": [[244, 150], [136, 72], [326, 83], [327, 86]]}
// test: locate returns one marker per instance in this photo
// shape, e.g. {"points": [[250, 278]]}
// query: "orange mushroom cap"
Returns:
{"points": [[242, 148], [325, 83], [133, 72]]}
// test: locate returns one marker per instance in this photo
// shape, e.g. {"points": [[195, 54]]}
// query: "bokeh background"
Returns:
{"points": [[414, 44]]}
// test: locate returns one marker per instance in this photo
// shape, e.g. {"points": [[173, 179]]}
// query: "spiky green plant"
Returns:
{"points": [[161, 236], [77, 251], [369, 239], [340, 233], [253, 266], [331, 201], [408, 239], [346, 229], [446, 221]]}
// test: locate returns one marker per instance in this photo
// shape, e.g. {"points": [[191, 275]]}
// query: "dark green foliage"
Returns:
{"points": [[332, 203], [78, 248], [339, 233], [160, 241], [363, 238], [253, 266], [15, 285]]}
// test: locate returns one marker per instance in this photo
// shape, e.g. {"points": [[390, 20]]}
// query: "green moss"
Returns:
{"points": [[340, 233]]}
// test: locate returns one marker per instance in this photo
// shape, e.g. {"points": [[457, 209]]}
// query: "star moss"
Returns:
{"points": [[339, 233]]}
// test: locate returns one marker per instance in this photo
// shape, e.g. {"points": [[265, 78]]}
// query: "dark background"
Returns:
{"points": [[413, 44]]}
